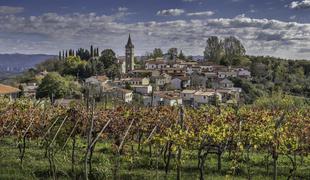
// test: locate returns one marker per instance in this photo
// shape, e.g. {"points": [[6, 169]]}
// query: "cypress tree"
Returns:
{"points": [[66, 53], [59, 56], [91, 51], [63, 54]]}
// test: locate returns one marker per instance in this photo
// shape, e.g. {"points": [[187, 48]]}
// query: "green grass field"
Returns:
{"points": [[36, 165]]}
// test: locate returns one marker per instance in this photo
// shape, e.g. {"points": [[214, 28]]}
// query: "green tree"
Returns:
{"points": [[108, 58], [74, 66], [173, 53], [107, 64], [181, 55], [50, 65], [157, 52], [83, 54], [232, 48], [214, 49], [53, 86]]}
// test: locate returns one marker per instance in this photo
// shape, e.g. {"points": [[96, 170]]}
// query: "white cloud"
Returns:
{"points": [[171, 12], [122, 9], [50, 32], [10, 10], [203, 13], [304, 4]]}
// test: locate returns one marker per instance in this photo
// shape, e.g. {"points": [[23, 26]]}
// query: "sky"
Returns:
{"points": [[278, 28]]}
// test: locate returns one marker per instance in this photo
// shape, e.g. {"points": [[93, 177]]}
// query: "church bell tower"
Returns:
{"points": [[130, 55]]}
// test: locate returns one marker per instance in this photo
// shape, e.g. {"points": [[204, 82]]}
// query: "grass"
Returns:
{"points": [[36, 166]]}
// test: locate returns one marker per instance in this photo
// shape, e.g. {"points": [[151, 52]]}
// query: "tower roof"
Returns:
{"points": [[129, 43]]}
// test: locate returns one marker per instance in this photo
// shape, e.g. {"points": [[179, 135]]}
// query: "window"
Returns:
{"points": [[204, 97]]}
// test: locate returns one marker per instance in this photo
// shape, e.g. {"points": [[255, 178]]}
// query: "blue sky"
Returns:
{"points": [[277, 28]]}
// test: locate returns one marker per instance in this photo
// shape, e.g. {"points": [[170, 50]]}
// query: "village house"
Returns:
{"points": [[226, 83], [180, 82], [136, 81], [210, 76], [174, 71], [193, 69], [210, 67], [226, 74], [9, 91], [155, 64], [122, 64], [123, 94], [142, 89], [206, 97], [144, 73], [161, 80], [29, 89], [166, 98], [231, 95], [97, 84], [187, 96], [97, 80], [207, 68], [146, 100], [158, 80], [244, 74]]}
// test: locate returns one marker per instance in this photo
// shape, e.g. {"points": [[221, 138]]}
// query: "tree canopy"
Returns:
{"points": [[53, 86]]}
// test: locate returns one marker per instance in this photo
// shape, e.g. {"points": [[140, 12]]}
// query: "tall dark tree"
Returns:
{"points": [[214, 49], [97, 52], [181, 55], [157, 52], [91, 51], [173, 53], [83, 54], [233, 47]]}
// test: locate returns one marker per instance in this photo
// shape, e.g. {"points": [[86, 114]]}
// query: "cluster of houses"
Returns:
{"points": [[165, 81], [162, 82]]}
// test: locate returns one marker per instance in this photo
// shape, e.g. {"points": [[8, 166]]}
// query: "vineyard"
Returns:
{"points": [[129, 142]]}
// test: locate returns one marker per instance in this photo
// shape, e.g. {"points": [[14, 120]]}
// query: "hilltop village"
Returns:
{"points": [[170, 81], [166, 80]]}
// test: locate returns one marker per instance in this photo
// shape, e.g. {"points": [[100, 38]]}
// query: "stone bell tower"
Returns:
{"points": [[130, 55]]}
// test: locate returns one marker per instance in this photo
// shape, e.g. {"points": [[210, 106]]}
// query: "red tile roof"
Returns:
{"points": [[4, 89]]}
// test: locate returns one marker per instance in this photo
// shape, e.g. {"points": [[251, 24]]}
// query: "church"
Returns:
{"points": [[128, 63], [129, 55]]}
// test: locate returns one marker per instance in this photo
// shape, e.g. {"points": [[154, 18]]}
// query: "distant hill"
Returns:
{"points": [[17, 63]]}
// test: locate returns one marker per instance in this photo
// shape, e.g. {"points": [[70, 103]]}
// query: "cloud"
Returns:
{"points": [[10, 10], [171, 12], [122, 9], [304, 50], [189, 0], [304, 4], [203, 13], [265, 36], [50, 32]]}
